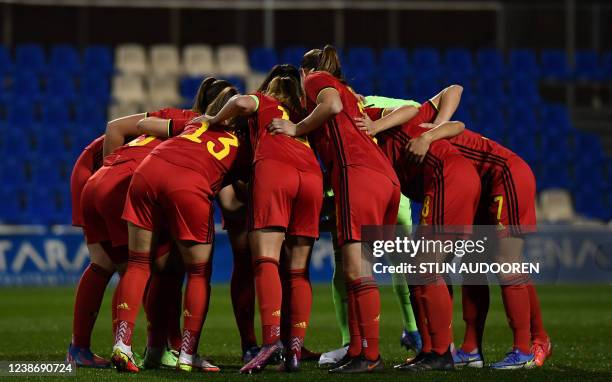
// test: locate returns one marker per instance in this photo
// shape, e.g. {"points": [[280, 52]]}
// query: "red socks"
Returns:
{"points": [[516, 304], [195, 305], [242, 290], [438, 308], [355, 348], [269, 294], [416, 293], [130, 293], [89, 294], [367, 307], [475, 302], [300, 295], [538, 333]]}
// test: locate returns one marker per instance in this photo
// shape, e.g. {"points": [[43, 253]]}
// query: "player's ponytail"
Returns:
{"points": [[325, 59], [209, 90], [287, 91], [284, 70], [222, 98], [329, 61]]}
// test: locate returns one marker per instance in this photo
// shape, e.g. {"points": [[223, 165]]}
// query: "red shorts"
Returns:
{"points": [[509, 201], [283, 196], [80, 174], [451, 191], [102, 202], [162, 193], [362, 197]]}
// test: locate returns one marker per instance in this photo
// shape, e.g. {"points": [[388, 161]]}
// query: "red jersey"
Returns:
{"points": [[393, 144], [138, 148], [295, 152], [210, 150], [339, 142], [86, 165], [481, 151]]}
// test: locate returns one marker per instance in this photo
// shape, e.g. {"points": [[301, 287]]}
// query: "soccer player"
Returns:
{"points": [[282, 210], [410, 338], [449, 188], [175, 185], [365, 186]]}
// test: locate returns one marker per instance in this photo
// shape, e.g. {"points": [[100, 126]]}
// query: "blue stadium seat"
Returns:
{"points": [[189, 87], [98, 59], [554, 65], [427, 62], [394, 87], [95, 86], [9, 208], [491, 89], [61, 86], [91, 112], [262, 59], [237, 81], [490, 64], [524, 89], [30, 58], [26, 86], [523, 63], [394, 63], [13, 172], [64, 59], [362, 85], [458, 64], [587, 66], [606, 64], [293, 55], [6, 63], [20, 113], [55, 111], [423, 88], [359, 62]]}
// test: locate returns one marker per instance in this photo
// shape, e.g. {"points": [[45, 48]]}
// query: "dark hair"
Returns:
{"points": [[287, 91], [284, 70], [325, 59], [209, 90], [222, 98]]}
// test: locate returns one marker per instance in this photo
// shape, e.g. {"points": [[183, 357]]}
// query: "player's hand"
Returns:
{"points": [[282, 126], [365, 124], [201, 119], [417, 148]]}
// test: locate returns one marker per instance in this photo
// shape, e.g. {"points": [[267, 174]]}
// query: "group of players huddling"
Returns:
{"points": [[144, 194]]}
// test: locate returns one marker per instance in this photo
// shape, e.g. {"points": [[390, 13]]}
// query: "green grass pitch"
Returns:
{"points": [[35, 324]]}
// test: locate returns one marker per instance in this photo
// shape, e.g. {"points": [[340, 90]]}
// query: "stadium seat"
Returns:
{"points": [[10, 208], [491, 89], [293, 55], [98, 59], [362, 85], [119, 110], [587, 66], [394, 87], [236, 81], [523, 64], [25, 86], [360, 63], [20, 113], [165, 60], [428, 61], [198, 60], [524, 88], [30, 58], [61, 85], [6, 63], [163, 91], [95, 86], [606, 64], [262, 59], [490, 64], [232, 60], [64, 59], [189, 87], [458, 64], [131, 59], [55, 111], [253, 81], [394, 62], [556, 206], [554, 65], [128, 89], [90, 112]]}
